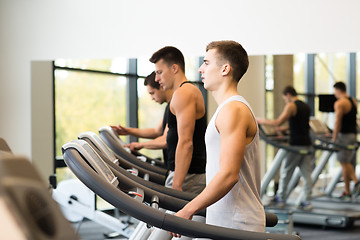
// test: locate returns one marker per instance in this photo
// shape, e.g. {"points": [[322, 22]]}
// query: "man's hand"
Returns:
{"points": [[183, 214], [176, 187], [260, 120], [120, 130], [134, 146]]}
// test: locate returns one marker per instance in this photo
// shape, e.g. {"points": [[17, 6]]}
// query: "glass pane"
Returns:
{"points": [[329, 68], [144, 66], [85, 102], [64, 174], [191, 68], [150, 115], [299, 78], [269, 72]]}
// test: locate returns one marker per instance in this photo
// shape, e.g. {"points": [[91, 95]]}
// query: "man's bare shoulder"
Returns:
{"points": [[235, 111], [342, 102], [183, 97], [290, 107]]}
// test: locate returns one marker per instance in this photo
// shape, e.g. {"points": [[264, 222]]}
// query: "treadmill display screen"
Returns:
{"points": [[326, 102]]}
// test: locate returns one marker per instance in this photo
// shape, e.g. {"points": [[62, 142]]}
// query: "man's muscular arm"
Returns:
{"points": [[183, 105]]}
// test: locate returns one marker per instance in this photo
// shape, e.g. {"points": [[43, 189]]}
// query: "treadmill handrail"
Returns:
{"points": [[302, 151], [94, 139], [114, 143], [349, 147], [126, 184], [95, 142], [157, 218]]}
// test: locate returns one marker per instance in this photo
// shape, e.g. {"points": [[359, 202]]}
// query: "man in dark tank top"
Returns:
{"points": [[298, 114], [157, 134], [345, 133], [186, 122]]}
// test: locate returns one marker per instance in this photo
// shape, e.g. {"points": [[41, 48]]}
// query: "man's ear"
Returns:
{"points": [[175, 68], [226, 68]]}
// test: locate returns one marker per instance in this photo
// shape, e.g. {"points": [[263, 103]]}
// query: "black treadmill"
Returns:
{"points": [[110, 159], [128, 197], [326, 217], [323, 134], [128, 160]]}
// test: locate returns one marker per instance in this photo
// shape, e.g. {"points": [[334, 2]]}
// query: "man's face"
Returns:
{"points": [[286, 98], [337, 93], [164, 75], [210, 70], [156, 95]]}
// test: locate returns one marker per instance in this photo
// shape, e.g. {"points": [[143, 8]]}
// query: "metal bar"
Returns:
{"points": [[310, 80], [272, 170], [132, 97], [54, 117], [351, 74], [98, 71]]}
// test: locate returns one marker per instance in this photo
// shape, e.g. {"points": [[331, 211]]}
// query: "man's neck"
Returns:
{"points": [[344, 95], [293, 99], [178, 81], [224, 92], [168, 95]]}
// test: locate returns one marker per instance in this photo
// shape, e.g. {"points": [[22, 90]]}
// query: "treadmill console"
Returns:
{"points": [[93, 159], [319, 127], [268, 130], [95, 141]]}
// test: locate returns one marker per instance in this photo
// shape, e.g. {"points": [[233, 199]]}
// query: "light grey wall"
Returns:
{"points": [[45, 30], [42, 109]]}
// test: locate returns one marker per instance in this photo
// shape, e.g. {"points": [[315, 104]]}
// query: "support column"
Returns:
{"points": [[310, 81], [351, 74], [283, 76]]}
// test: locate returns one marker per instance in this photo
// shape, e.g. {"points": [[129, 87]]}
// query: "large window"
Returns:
{"points": [[93, 93], [86, 100]]}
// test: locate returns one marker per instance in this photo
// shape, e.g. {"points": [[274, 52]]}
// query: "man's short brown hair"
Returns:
{"points": [[170, 55], [150, 80], [340, 86], [233, 53]]}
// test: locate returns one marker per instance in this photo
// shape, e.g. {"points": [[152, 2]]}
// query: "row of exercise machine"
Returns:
{"points": [[36, 215], [134, 185], [107, 173], [327, 209]]}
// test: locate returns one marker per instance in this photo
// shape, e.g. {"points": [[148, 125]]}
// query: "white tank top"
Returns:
{"points": [[241, 207]]}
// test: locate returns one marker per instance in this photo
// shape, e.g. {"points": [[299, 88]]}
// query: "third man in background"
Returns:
{"points": [[298, 114], [345, 134]]}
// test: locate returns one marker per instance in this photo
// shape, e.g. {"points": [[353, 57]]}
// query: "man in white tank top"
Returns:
{"points": [[232, 193]]}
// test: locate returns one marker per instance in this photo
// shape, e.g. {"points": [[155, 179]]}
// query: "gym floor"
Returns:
{"points": [[92, 231]]}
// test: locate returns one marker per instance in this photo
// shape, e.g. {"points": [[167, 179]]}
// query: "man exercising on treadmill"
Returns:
{"points": [[186, 122], [158, 134], [298, 114], [345, 133], [232, 193]]}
